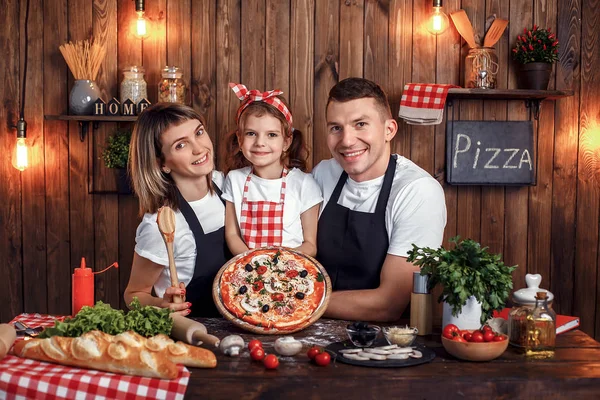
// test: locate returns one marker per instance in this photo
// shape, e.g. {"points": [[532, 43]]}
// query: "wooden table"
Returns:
{"points": [[573, 373]]}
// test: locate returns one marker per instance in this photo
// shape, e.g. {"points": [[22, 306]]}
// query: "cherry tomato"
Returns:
{"points": [[292, 273], [459, 338], [254, 343], [277, 296], [257, 286], [477, 337], [261, 270], [498, 338], [488, 336], [257, 354], [450, 331], [467, 336], [323, 359], [312, 352], [271, 361], [486, 328]]}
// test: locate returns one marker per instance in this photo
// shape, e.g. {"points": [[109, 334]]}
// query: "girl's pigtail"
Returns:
{"points": [[297, 153]]}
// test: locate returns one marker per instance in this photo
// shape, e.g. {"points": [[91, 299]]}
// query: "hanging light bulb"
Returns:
{"points": [[140, 29], [20, 159], [437, 22]]}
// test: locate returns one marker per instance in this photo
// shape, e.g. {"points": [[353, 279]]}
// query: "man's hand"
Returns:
{"points": [[385, 303]]}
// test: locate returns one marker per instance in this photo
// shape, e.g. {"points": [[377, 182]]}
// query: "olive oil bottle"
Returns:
{"points": [[541, 329]]}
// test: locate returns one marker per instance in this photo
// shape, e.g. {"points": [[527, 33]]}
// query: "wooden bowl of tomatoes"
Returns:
{"points": [[474, 345]]}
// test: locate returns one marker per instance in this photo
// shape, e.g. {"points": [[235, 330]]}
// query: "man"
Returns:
{"points": [[375, 206]]}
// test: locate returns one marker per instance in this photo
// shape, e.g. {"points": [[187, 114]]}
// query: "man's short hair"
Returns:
{"points": [[359, 88]]}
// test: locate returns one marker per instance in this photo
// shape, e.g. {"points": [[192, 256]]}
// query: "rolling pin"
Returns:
{"points": [[192, 332], [8, 334]]}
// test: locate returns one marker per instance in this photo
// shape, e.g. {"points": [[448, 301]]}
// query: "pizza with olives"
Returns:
{"points": [[272, 290]]}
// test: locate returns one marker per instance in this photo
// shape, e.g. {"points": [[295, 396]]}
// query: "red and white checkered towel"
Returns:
{"points": [[31, 379], [423, 103]]}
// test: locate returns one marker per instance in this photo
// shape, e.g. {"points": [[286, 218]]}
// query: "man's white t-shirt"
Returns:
{"points": [[415, 211], [301, 193], [149, 242]]}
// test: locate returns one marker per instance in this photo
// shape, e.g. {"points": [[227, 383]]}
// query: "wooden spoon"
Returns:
{"points": [[464, 27], [166, 225], [495, 32]]}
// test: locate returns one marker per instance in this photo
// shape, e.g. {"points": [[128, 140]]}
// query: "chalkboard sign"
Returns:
{"points": [[490, 153]]}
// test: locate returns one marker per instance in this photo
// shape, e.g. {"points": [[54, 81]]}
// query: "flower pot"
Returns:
{"points": [[534, 76], [469, 317], [123, 181], [82, 97]]}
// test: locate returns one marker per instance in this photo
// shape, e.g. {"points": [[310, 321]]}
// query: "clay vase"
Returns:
{"points": [[534, 76]]}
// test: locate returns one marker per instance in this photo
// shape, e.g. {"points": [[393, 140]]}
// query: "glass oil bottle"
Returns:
{"points": [[541, 329]]}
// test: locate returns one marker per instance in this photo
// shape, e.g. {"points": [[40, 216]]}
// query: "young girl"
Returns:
{"points": [[171, 163], [271, 200]]}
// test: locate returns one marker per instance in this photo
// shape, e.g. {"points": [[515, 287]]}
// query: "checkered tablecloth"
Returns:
{"points": [[423, 103], [22, 378]]}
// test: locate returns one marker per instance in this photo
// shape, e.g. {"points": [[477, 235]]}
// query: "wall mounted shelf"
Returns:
{"points": [[84, 121], [532, 98]]}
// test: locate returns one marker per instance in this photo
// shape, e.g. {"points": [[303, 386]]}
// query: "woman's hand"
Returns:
{"points": [[180, 308]]}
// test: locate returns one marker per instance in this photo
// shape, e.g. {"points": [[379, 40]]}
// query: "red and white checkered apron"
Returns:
{"points": [[261, 222]]}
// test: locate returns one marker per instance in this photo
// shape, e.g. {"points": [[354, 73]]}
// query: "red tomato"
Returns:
{"points": [[450, 331], [459, 338], [323, 359], [277, 296], [486, 328], [498, 338], [257, 354], [254, 343], [271, 361], [292, 273], [257, 286], [261, 270], [467, 336], [488, 336], [313, 351], [477, 337]]}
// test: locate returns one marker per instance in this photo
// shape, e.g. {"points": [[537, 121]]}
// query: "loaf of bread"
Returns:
{"points": [[127, 353]]}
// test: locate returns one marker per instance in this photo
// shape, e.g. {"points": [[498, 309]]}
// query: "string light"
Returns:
{"points": [[140, 29], [437, 22], [20, 157]]}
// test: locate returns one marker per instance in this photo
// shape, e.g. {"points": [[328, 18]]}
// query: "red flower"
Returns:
{"points": [[518, 38], [555, 51], [530, 47], [544, 47], [529, 33], [554, 43], [524, 49], [535, 38], [514, 50], [550, 36], [524, 30]]}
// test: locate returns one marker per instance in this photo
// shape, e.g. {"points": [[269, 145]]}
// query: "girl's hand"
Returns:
{"points": [[180, 308]]}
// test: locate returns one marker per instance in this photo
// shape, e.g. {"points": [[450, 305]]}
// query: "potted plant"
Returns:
{"points": [[116, 155], [469, 275], [536, 50]]}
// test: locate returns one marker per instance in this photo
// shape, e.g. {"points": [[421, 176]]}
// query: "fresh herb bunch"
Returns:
{"points": [[116, 153], [145, 320], [536, 45], [465, 271]]}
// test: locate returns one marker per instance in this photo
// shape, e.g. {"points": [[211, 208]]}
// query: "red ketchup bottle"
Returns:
{"points": [[83, 286]]}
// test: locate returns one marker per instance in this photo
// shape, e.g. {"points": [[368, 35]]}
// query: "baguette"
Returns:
{"points": [[127, 353]]}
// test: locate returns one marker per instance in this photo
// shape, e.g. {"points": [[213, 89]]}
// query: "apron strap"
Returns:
{"points": [[190, 215], [386, 188]]}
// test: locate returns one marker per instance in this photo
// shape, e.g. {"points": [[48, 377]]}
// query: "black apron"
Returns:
{"points": [[211, 254], [352, 245]]}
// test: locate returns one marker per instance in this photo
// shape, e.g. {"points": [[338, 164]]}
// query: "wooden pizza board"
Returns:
{"points": [[261, 330]]}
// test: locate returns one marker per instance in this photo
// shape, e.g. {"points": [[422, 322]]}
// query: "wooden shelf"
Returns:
{"points": [[507, 94], [84, 121]]}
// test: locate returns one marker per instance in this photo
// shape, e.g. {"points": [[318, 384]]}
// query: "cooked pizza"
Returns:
{"points": [[273, 289]]}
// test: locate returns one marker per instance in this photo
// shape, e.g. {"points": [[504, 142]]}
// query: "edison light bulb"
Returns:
{"points": [[438, 21], [141, 28], [20, 157]]}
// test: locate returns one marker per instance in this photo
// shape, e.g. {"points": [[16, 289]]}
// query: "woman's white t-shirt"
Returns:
{"points": [[301, 193], [150, 245], [415, 211]]}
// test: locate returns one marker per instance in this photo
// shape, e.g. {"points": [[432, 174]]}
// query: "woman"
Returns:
{"points": [[172, 163]]}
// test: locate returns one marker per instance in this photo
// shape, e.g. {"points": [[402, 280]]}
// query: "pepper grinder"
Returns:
{"points": [[421, 305]]}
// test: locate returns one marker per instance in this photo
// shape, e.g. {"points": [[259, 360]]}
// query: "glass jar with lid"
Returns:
{"points": [[133, 86], [171, 88], [541, 329], [524, 301], [481, 68]]}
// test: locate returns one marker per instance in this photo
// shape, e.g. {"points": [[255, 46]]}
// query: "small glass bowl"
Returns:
{"points": [[400, 339], [365, 337]]}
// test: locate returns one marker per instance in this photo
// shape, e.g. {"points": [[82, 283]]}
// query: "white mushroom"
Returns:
{"points": [[288, 346], [231, 345]]}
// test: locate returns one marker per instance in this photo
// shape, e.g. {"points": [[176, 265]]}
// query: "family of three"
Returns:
{"points": [[358, 213]]}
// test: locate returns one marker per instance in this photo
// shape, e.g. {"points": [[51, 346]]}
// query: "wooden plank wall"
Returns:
{"points": [[64, 206]]}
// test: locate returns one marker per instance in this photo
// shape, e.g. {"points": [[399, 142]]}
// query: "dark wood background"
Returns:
{"points": [[49, 218]]}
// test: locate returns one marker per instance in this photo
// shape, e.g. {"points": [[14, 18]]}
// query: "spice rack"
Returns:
{"points": [[84, 121], [532, 98]]}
